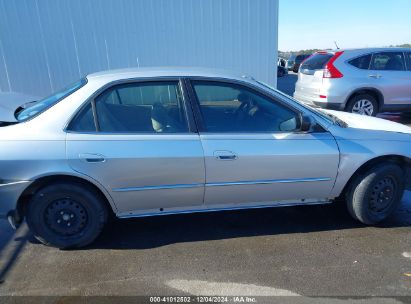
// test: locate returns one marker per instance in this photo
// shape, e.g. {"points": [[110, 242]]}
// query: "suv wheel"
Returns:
{"points": [[363, 104], [374, 195], [66, 215]]}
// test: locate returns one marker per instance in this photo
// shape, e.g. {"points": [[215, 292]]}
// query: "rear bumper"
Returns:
{"points": [[10, 192], [330, 106], [322, 103]]}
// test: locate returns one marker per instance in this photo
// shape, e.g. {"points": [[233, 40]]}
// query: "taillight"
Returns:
{"points": [[330, 71]]}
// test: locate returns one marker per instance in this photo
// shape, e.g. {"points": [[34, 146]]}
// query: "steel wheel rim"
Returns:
{"points": [[66, 217], [383, 195], [363, 107]]}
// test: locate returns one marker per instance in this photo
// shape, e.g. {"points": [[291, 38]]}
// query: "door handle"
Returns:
{"points": [[375, 76], [92, 158], [225, 155]]}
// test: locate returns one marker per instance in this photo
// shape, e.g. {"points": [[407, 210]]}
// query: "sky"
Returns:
{"points": [[316, 24]]}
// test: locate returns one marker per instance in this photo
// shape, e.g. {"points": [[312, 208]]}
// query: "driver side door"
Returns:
{"points": [[255, 153]]}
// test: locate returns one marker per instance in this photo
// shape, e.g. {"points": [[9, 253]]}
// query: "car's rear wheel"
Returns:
{"points": [[363, 104], [66, 215], [374, 195]]}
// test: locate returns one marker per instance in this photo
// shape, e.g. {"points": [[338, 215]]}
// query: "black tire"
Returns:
{"points": [[66, 215], [356, 98], [374, 195]]}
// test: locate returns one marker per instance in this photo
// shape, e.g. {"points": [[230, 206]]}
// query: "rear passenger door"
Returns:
{"points": [[389, 73], [137, 139]]}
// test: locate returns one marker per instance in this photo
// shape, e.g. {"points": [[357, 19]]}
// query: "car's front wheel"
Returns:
{"points": [[363, 104], [374, 195], [66, 215]]}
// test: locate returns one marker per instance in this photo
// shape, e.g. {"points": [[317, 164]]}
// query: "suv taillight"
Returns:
{"points": [[330, 71]]}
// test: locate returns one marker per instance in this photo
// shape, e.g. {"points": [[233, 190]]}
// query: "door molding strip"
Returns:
{"points": [[240, 183]]}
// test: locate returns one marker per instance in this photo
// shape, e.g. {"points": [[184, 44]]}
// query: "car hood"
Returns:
{"points": [[357, 121]]}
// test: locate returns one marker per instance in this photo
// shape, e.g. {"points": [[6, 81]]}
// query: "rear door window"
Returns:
{"points": [[388, 61], [141, 107], [84, 120], [152, 107], [362, 62], [316, 62], [408, 56]]}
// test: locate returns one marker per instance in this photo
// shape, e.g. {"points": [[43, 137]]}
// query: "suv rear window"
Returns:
{"points": [[316, 62], [362, 62]]}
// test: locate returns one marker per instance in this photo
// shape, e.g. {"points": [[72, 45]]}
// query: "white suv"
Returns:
{"points": [[362, 81]]}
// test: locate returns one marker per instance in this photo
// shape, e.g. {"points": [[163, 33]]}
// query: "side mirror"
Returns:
{"points": [[306, 123]]}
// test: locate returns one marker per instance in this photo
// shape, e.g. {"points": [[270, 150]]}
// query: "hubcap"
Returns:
{"points": [[66, 217], [383, 195], [363, 107]]}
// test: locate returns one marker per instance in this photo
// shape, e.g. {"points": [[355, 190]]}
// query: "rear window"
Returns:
{"points": [[46, 103], [316, 62], [362, 62]]}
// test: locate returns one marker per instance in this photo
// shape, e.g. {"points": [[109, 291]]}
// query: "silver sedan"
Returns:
{"points": [[147, 142]]}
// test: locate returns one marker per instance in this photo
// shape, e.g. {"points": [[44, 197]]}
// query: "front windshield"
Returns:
{"points": [[44, 104]]}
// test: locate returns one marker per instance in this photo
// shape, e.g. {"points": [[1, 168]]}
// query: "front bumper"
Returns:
{"points": [[10, 192]]}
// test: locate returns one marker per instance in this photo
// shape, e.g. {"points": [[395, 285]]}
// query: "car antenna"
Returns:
{"points": [[336, 45]]}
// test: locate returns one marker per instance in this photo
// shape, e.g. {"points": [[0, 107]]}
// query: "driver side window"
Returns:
{"points": [[227, 107]]}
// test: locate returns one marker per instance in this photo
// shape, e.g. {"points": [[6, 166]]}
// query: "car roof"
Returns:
{"points": [[151, 72], [380, 49]]}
